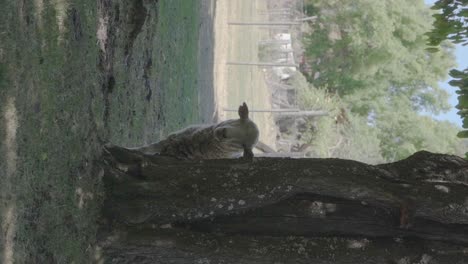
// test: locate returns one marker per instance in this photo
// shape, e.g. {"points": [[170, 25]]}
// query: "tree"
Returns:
{"points": [[377, 49], [374, 55], [451, 23], [274, 210], [403, 132], [340, 134]]}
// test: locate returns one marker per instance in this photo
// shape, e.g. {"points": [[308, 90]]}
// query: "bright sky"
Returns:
{"points": [[461, 54]]}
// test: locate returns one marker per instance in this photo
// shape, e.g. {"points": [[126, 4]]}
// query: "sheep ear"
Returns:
{"points": [[243, 111]]}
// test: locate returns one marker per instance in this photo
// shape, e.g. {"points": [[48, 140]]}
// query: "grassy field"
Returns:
{"points": [[62, 96]]}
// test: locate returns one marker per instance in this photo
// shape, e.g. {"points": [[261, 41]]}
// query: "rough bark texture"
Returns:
{"points": [[280, 210]]}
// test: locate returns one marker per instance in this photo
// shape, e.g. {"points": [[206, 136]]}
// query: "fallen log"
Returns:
{"points": [[206, 208]]}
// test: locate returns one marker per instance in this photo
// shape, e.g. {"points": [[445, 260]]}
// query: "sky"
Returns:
{"points": [[461, 53]]}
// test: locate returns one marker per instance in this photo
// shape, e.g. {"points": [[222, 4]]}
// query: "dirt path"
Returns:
{"points": [[206, 43], [236, 84]]}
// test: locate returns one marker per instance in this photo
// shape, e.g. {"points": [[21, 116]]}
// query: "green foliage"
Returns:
{"points": [[451, 23], [374, 55], [461, 81], [377, 49], [351, 139], [322, 132], [313, 98], [463, 134], [403, 132], [361, 141]]}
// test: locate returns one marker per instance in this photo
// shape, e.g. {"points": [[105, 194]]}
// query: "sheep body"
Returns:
{"points": [[227, 139]]}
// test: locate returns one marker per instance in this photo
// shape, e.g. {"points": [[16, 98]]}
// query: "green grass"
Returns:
{"points": [[64, 116], [169, 46]]}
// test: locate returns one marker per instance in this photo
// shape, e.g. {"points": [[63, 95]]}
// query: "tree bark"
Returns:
{"points": [[281, 210]]}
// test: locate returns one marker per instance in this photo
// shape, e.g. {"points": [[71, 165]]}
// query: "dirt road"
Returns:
{"points": [[237, 84]]}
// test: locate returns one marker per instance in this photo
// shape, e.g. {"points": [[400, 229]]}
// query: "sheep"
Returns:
{"points": [[227, 139]]}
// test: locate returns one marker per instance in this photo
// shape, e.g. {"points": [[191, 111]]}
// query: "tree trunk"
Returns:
{"points": [[281, 210]]}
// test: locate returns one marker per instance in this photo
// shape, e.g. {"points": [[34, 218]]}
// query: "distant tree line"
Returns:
{"points": [[374, 55]]}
